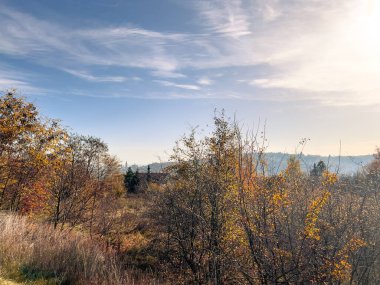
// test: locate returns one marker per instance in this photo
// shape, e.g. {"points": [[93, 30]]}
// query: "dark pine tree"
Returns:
{"points": [[130, 181]]}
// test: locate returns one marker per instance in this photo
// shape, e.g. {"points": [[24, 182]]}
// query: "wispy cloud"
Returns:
{"points": [[20, 81], [225, 17], [205, 81], [167, 74], [324, 48], [24, 35], [321, 50], [177, 85], [270, 10], [93, 78]]}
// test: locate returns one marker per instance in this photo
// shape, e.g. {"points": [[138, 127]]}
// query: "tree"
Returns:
{"points": [[88, 175], [148, 175], [195, 207], [29, 148], [131, 180], [226, 221], [318, 169]]}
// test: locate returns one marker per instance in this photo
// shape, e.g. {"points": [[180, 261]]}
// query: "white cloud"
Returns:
{"points": [[205, 81], [327, 55], [20, 81], [330, 49], [167, 74], [90, 77], [182, 86], [270, 10], [225, 17], [24, 35]]}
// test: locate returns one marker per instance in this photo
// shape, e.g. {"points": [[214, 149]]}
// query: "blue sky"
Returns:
{"points": [[139, 74]]}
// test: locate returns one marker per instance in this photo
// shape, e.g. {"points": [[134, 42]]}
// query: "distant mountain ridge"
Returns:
{"points": [[342, 164], [277, 162]]}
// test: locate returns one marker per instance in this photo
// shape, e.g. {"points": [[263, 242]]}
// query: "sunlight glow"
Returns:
{"points": [[372, 24], [362, 27]]}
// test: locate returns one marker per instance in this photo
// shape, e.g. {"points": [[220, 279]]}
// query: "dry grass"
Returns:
{"points": [[7, 282], [41, 255]]}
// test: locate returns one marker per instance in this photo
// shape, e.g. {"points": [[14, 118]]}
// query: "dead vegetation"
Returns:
{"points": [[37, 253]]}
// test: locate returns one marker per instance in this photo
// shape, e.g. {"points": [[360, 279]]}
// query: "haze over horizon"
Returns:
{"points": [[139, 74]]}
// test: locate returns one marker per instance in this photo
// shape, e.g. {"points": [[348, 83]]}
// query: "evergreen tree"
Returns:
{"points": [[135, 182], [148, 175], [318, 169], [130, 180]]}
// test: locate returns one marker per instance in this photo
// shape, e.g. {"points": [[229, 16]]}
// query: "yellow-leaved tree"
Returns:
{"points": [[29, 146]]}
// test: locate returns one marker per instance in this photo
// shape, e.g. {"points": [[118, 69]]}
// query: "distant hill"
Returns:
{"points": [[344, 164], [155, 167], [277, 162]]}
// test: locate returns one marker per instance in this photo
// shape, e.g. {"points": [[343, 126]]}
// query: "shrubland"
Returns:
{"points": [[218, 218]]}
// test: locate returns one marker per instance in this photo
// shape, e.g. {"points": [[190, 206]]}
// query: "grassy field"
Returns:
{"points": [[8, 282], [37, 254]]}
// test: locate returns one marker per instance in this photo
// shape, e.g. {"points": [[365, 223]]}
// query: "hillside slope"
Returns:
{"points": [[277, 162]]}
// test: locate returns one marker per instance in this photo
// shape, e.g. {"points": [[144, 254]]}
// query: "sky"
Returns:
{"points": [[140, 74]]}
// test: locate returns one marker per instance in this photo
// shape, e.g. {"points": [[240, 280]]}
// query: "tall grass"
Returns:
{"points": [[30, 252]]}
